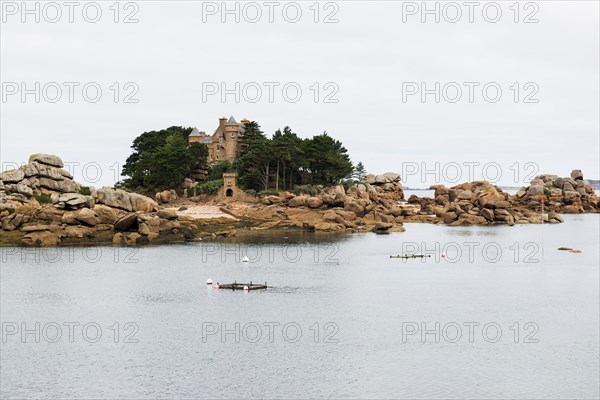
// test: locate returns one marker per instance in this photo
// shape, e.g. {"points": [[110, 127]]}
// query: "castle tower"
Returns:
{"points": [[223, 143], [195, 136], [232, 133]]}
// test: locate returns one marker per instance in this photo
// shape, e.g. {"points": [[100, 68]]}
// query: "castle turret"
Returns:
{"points": [[194, 136], [223, 143], [232, 132]]}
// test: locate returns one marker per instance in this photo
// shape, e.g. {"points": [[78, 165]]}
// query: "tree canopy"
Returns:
{"points": [[360, 172], [162, 159], [286, 160]]}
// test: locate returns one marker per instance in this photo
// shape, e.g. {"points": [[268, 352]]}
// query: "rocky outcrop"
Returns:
{"points": [[123, 200], [360, 208], [198, 174], [565, 195], [44, 180], [388, 182], [72, 200], [475, 203], [64, 212], [42, 200], [480, 202], [43, 175], [47, 159]]}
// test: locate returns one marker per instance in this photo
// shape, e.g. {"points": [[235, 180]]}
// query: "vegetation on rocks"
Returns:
{"points": [[210, 187], [44, 198], [306, 189]]}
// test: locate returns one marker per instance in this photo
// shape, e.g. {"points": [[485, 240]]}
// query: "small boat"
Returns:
{"points": [[411, 256], [245, 259], [241, 286]]}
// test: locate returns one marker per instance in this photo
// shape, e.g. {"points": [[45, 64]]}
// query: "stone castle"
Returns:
{"points": [[223, 143]]}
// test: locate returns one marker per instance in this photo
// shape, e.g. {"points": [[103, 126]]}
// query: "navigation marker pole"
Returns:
{"points": [[542, 229]]}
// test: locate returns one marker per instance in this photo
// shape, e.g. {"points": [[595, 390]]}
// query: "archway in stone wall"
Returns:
{"points": [[229, 192]]}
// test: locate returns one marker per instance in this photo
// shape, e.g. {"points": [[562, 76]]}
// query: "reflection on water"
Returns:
{"points": [[485, 231], [285, 237], [161, 298], [43, 298], [346, 307]]}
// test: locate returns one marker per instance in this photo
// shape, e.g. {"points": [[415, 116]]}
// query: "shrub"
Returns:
{"points": [[44, 198], [306, 189], [251, 192], [270, 192], [85, 190], [210, 187], [347, 183]]}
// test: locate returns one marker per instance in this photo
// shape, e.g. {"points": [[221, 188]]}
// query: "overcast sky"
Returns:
{"points": [[373, 56]]}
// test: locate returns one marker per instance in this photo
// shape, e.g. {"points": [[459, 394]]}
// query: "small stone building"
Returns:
{"points": [[230, 189]]}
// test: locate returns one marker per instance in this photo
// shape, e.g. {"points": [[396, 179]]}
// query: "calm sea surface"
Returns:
{"points": [[503, 314]]}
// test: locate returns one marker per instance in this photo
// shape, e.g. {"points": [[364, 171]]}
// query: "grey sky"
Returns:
{"points": [[368, 54]]}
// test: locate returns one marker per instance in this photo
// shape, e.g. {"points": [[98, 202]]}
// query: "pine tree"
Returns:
{"points": [[360, 172]]}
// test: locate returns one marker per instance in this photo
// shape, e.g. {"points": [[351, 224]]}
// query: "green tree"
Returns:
{"points": [[216, 171], [162, 159], [287, 151], [254, 158], [286, 160], [360, 172], [326, 160]]}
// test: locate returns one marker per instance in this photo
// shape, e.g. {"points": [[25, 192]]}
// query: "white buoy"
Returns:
{"points": [[246, 288], [245, 259], [209, 281]]}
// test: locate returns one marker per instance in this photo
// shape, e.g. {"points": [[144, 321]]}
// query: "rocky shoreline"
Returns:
{"points": [[41, 205], [477, 203]]}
